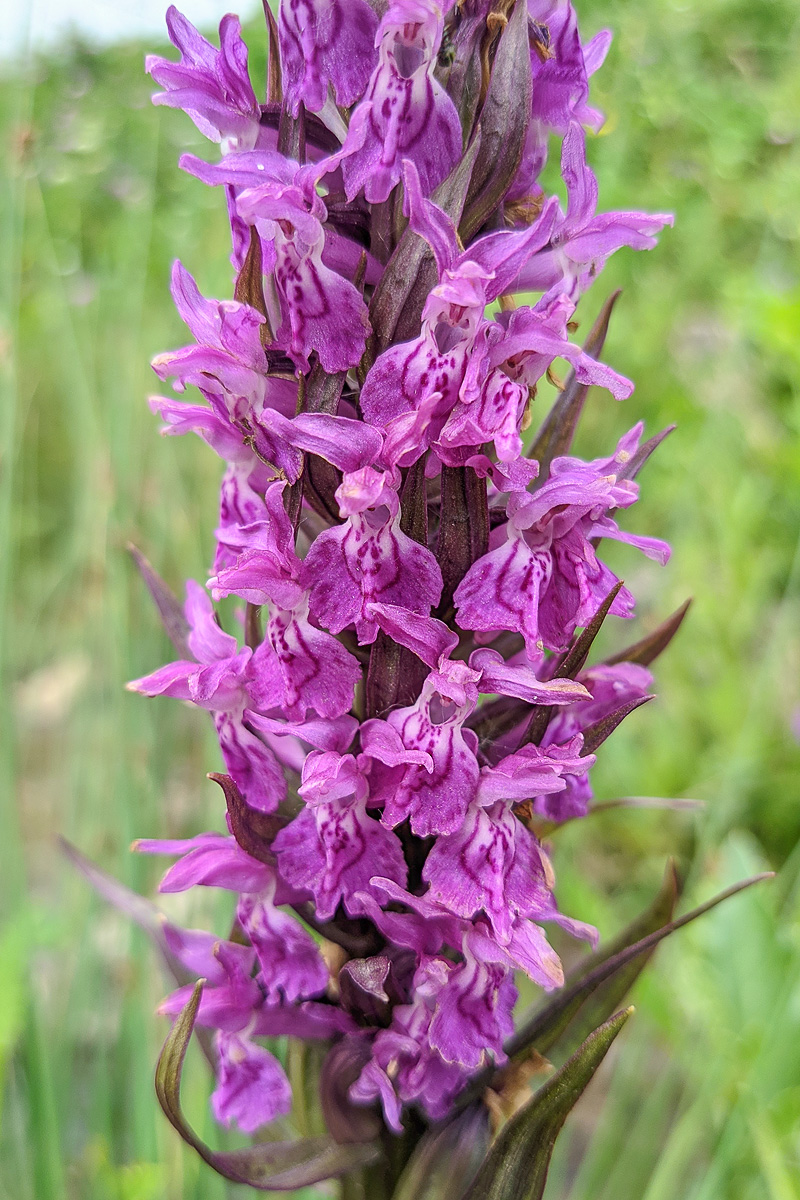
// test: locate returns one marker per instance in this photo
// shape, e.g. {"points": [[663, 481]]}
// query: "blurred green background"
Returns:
{"points": [[701, 1100]]}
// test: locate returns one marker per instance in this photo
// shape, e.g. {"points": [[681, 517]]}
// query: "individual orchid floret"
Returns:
{"points": [[458, 1018], [211, 86], [492, 863], [252, 1089], [473, 1012], [229, 367], [300, 667], [368, 559], [544, 578], [325, 43], [208, 860], [405, 114], [289, 958], [424, 765], [508, 360], [321, 310], [418, 1072], [333, 847], [405, 378], [584, 239], [562, 66], [228, 352], [220, 678]]}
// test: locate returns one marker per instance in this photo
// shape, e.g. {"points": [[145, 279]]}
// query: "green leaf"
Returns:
{"points": [[545, 1026], [447, 1157], [582, 1012], [648, 649], [517, 1164], [267, 1166]]}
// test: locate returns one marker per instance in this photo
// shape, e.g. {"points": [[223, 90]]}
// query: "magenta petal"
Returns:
{"points": [[374, 1084], [381, 740], [317, 672], [195, 949], [467, 871], [358, 564], [473, 1014], [253, 767], [210, 860], [333, 850], [427, 637], [335, 733], [531, 951], [207, 641], [349, 445], [171, 680], [252, 1088], [289, 958], [507, 679], [433, 802], [502, 591], [212, 86], [325, 42]]}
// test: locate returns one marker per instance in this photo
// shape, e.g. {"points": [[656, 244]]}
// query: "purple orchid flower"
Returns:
{"points": [[583, 239], [220, 678], [413, 700], [212, 86], [405, 113], [333, 847], [318, 309], [322, 311], [252, 1088], [478, 372], [491, 863], [561, 67], [300, 666], [543, 579], [368, 560]]}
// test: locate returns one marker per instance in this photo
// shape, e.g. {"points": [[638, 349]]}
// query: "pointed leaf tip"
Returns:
{"points": [[169, 607], [266, 1166], [596, 734], [649, 648], [253, 830], [616, 966], [517, 1164]]}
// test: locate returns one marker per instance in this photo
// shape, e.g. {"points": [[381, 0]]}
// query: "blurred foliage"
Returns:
{"points": [[703, 104]]}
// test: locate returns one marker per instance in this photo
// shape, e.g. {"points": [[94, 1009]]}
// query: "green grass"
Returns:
{"points": [[703, 1097]]}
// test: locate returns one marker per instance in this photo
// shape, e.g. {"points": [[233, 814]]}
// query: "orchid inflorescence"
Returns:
{"points": [[417, 710]]}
